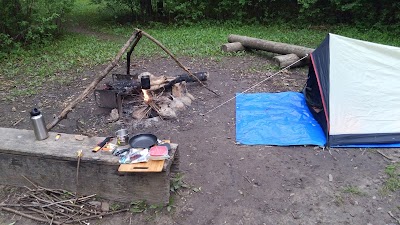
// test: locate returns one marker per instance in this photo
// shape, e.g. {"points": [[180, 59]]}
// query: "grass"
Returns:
{"points": [[354, 190], [23, 73], [393, 181]]}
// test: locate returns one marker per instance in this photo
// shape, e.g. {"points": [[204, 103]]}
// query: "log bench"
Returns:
{"points": [[52, 164]]}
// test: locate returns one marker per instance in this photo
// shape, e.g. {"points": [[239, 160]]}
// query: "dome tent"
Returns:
{"points": [[353, 91]]}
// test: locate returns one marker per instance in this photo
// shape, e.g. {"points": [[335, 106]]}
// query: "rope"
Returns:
{"points": [[257, 84]]}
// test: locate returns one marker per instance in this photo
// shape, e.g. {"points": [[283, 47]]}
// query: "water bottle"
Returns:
{"points": [[39, 126]]}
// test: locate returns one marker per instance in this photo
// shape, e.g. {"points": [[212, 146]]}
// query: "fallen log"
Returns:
{"points": [[270, 46], [286, 60], [232, 47]]}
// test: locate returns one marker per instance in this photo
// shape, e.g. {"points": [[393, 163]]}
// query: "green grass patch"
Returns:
{"points": [[23, 72], [205, 40], [354, 190], [393, 181], [27, 70]]}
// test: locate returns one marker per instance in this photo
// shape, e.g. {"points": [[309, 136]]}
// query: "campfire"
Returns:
{"points": [[147, 95]]}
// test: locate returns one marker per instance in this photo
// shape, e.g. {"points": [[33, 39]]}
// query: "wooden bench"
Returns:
{"points": [[53, 164]]}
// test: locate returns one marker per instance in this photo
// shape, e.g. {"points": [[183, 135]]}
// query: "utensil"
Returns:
{"points": [[122, 137], [101, 144], [143, 141]]}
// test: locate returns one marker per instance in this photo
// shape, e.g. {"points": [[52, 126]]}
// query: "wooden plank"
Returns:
{"points": [[150, 166]]}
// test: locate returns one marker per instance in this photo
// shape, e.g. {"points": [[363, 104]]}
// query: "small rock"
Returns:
{"points": [[105, 207], [95, 204], [114, 115], [13, 109], [40, 104], [374, 197], [190, 209], [296, 215], [330, 177], [79, 137], [291, 194]]}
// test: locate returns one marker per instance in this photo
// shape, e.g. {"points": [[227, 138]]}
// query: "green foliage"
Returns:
{"points": [[138, 206], [115, 206], [25, 71], [30, 21], [393, 182], [177, 183], [362, 13], [354, 190]]}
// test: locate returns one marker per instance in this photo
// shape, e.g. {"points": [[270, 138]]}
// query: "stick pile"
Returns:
{"points": [[55, 206]]}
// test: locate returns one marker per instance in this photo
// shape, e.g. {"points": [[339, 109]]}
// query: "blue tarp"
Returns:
{"points": [[281, 119], [276, 119]]}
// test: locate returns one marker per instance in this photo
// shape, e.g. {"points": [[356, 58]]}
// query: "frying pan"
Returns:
{"points": [[143, 141]]}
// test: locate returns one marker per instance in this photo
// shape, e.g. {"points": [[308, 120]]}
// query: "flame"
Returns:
{"points": [[146, 96]]}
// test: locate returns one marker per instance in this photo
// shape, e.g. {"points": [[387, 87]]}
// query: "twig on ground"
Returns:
{"points": [[27, 215], [248, 180], [80, 154], [391, 215], [19, 121], [387, 157], [329, 150], [30, 182], [97, 216]]}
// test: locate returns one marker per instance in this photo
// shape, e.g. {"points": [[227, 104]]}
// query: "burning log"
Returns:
{"points": [[159, 82], [165, 107]]}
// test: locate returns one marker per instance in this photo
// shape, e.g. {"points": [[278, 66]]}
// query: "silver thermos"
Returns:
{"points": [[39, 126]]}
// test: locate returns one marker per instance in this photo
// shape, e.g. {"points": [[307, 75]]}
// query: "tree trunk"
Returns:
{"points": [[232, 47], [270, 46]]}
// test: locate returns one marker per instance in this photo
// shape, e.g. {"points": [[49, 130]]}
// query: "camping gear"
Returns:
{"points": [[166, 145], [145, 82], [150, 166], [276, 119], [39, 126], [353, 91], [122, 137], [101, 144], [119, 151], [143, 141]]}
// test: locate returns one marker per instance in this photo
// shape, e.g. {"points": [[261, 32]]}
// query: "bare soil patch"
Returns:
{"points": [[237, 184]]}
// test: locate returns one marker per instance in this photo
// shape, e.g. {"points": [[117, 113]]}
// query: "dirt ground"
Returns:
{"points": [[238, 184]]}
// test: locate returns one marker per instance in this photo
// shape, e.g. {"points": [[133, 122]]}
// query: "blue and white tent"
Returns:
{"points": [[353, 91]]}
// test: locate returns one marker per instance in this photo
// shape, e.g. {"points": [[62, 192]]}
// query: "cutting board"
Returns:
{"points": [[150, 166]]}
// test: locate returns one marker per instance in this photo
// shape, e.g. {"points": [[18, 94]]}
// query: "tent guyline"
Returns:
{"points": [[253, 86]]}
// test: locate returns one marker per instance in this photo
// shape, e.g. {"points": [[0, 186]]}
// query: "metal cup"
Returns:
{"points": [[122, 137]]}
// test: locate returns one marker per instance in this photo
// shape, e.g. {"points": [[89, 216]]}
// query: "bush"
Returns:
{"points": [[24, 22], [365, 13]]}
